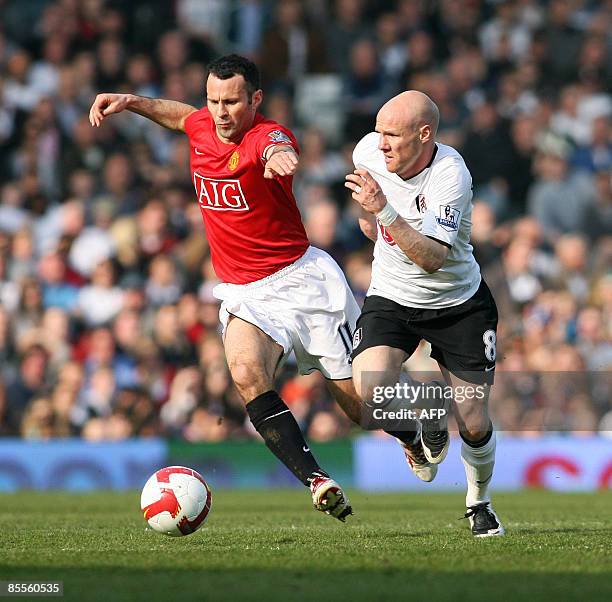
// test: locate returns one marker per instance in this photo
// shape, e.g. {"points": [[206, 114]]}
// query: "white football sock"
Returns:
{"points": [[478, 463]]}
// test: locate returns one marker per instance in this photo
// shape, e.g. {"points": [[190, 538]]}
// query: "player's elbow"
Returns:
{"points": [[432, 266], [368, 229], [435, 262]]}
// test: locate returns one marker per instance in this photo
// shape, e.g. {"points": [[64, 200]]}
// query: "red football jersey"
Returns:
{"points": [[253, 225]]}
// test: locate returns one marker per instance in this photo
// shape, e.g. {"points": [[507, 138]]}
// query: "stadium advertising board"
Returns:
{"points": [[557, 462]]}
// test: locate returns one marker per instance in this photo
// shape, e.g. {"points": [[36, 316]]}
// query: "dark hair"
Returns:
{"points": [[225, 67]]}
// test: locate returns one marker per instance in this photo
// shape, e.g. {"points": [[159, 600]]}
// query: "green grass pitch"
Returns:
{"points": [[270, 545]]}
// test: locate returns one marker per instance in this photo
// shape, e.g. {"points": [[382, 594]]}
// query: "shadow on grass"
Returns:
{"points": [[385, 582]]}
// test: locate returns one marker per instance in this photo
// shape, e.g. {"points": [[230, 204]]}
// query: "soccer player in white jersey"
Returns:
{"points": [[416, 199]]}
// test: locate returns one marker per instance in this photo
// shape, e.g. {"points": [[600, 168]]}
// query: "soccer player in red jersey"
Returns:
{"points": [[278, 293]]}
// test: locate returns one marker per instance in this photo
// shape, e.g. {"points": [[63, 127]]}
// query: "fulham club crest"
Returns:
{"points": [[420, 203]]}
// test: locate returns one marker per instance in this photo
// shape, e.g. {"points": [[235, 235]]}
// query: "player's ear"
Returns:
{"points": [[425, 133], [257, 99]]}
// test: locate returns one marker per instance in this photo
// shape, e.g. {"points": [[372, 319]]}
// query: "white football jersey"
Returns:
{"points": [[437, 202]]}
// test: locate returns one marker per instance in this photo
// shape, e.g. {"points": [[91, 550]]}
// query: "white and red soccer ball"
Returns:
{"points": [[175, 501]]}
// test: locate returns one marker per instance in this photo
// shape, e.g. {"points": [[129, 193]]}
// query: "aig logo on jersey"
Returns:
{"points": [[449, 218], [219, 195]]}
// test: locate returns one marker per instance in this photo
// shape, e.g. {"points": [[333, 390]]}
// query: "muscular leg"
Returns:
{"points": [[478, 438], [380, 366], [252, 357], [343, 391], [375, 367]]}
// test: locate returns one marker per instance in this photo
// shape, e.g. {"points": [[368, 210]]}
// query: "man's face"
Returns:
{"points": [[400, 144], [229, 104]]}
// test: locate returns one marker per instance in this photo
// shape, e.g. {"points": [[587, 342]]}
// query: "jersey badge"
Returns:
{"points": [[357, 338], [449, 218], [420, 203], [233, 161], [278, 136]]}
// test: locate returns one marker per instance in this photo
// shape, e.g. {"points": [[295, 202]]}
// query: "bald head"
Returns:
{"points": [[413, 109], [407, 125]]}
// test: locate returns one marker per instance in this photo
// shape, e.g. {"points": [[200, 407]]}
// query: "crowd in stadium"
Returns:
{"points": [[108, 325]]}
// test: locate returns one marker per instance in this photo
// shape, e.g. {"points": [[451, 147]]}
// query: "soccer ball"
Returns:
{"points": [[175, 501]]}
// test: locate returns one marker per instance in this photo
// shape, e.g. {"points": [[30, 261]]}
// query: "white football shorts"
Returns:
{"points": [[306, 307]]}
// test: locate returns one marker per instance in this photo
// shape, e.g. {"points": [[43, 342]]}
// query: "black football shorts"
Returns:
{"points": [[462, 338]]}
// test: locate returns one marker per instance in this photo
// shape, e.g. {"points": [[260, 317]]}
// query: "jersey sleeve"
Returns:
{"points": [[447, 201], [194, 122], [271, 135], [364, 150]]}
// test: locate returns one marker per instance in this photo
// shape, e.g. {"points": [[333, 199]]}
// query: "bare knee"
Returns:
{"points": [[473, 420], [250, 379]]}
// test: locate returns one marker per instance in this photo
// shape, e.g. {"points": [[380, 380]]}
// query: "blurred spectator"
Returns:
{"points": [[563, 41], [505, 28], [174, 346], [163, 285], [571, 270], [321, 223], [596, 155], [344, 28], [57, 291], [30, 310], [597, 217], [558, 198], [99, 302], [290, 47], [183, 398], [319, 165], [12, 214], [389, 45], [487, 152], [29, 382], [22, 263], [205, 20], [523, 134], [97, 398], [365, 89], [486, 251], [19, 91], [7, 347], [38, 420], [9, 290]]}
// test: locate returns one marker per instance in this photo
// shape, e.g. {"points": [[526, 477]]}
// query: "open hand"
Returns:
{"points": [[366, 191]]}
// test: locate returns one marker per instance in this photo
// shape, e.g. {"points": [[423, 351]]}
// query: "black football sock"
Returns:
{"points": [[274, 421], [408, 437], [481, 442]]}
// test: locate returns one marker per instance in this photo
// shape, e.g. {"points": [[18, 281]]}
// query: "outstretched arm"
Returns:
{"points": [[169, 113]]}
